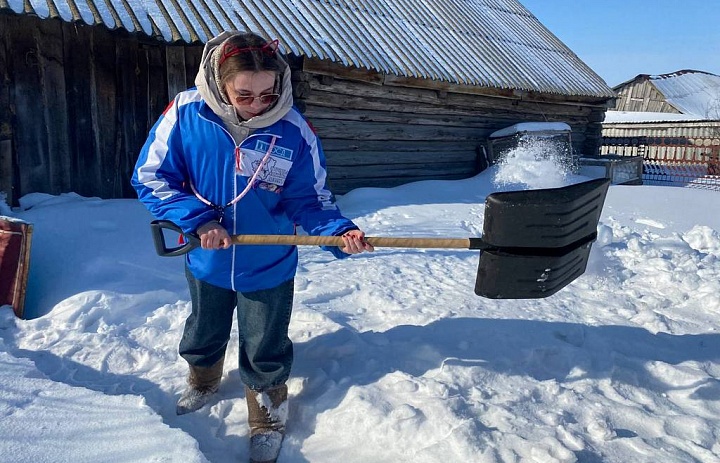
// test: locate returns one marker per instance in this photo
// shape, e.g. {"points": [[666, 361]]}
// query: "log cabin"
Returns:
{"points": [[399, 91]]}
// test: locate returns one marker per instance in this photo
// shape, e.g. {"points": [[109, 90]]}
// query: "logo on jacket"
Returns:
{"points": [[278, 151], [274, 171], [269, 166]]}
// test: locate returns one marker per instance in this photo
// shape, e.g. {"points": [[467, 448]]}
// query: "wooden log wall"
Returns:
{"points": [[377, 134], [77, 103]]}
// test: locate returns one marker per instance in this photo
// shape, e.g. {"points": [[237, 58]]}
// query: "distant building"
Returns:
{"points": [[672, 120], [694, 94]]}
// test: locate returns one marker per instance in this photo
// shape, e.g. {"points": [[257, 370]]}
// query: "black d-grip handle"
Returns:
{"points": [[157, 226]]}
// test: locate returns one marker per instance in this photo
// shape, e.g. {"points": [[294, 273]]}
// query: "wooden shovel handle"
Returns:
{"points": [[378, 242], [191, 241]]}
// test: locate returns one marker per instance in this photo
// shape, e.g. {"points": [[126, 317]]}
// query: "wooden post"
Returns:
{"points": [[15, 239], [53, 94], [6, 170], [175, 59]]}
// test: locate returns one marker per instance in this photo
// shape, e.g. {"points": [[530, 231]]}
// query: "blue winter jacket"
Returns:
{"points": [[190, 146]]}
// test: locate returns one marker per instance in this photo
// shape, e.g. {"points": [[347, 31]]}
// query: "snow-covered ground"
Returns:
{"points": [[396, 358]]}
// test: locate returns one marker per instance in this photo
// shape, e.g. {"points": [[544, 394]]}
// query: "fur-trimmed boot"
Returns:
{"points": [[203, 382], [267, 414]]}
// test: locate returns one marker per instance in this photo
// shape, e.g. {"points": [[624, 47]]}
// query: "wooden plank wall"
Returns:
{"points": [[78, 103], [383, 136], [7, 173], [641, 95]]}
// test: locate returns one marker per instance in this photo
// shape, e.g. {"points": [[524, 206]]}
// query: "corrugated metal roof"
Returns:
{"points": [[488, 43], [695, 93]]}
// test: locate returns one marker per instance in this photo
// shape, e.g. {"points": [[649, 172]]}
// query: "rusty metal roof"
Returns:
{"points": [[487, 43]]}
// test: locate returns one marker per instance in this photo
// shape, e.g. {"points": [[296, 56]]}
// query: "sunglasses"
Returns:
{"points": [[229, 50], [266, 99]]}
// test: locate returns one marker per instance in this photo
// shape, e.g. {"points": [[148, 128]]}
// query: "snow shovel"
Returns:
{"points": [[534, 242]]}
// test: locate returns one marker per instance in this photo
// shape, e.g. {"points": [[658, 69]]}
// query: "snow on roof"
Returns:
{"points": [[641, 116], [691, 92], [531, 127], [494, 44]]}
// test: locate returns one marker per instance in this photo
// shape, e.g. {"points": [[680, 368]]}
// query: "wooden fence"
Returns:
{"points": [[684, 161]]}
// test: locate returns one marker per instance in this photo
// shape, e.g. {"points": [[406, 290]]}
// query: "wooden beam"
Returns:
{"points": [[104, 103], [379, 160], [6, 109], [131, 134], [157, 90], [79, 83], [193, 58], [6, 115], [175, 60], [350, 94], [402, 170], [369, 146], [30, 136], [328, 68], [350, 130], [49, 37], [6, 170], [383, 114]]}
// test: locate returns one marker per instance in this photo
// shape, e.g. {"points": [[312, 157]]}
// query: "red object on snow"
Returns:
{"points": [[15, 239]]}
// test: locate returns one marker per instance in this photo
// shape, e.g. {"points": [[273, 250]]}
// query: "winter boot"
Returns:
{"points": [[203, 382], [267, 414]]}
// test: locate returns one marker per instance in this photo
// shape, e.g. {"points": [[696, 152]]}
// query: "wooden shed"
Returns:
{"points": [[398, 91], [671, 120], [692, 93]]}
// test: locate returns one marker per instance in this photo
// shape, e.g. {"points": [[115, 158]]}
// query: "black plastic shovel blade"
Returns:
{"points": [[544, 239], [548, 218], [515, 276]]}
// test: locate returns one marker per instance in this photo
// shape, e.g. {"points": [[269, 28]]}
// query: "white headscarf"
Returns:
{"points": [[208, 85]]}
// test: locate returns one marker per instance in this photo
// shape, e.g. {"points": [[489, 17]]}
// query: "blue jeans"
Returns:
{"points": [[266, 352]]}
